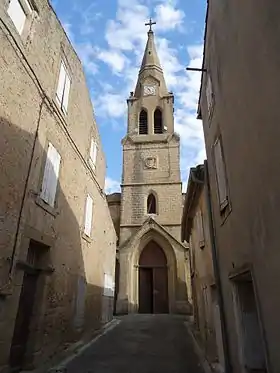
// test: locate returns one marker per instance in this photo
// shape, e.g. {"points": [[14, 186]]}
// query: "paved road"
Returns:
{"points": [[141, 344]]}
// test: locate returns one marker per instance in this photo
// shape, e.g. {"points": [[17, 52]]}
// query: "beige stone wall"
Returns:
{"points": [[114, 203], [244, 65], [29, 117], [203, 278]]}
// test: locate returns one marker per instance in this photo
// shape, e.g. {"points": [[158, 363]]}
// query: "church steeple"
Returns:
{"points": [[150, 65], [150, 106]]}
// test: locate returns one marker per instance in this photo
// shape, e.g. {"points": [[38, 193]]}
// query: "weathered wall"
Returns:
{"points": [[202, 276], [242, 56], [29, 69]]}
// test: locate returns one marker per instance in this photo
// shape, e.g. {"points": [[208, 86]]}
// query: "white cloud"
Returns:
{"points": [[109, 104], [168, 17], [111, 185], [87, 54], [115, 59]]}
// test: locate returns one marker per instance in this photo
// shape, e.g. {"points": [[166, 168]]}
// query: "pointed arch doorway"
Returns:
{"points": [[153, 280]]}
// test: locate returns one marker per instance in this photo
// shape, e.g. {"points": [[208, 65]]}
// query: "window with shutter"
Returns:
{"points": [[63, 88], [17, 14], [88, 216], [220, 174], [200, 228], [93, 152], [50, 177], [209, 95]]}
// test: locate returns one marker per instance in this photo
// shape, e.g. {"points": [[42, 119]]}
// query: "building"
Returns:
{"points": [[239, 109], [196, 230], [58, 243], [153, 265]]}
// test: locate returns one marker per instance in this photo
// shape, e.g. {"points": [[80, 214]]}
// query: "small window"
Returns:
{"points": [[209, 95], [50, 178], [63, 88], [220, 174], [93, 152], [158, 121], [151, 204], [88, 216], [143, 122], [17, 14]]}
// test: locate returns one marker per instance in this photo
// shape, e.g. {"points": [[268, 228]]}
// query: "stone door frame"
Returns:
{"points": [[133, 275]]}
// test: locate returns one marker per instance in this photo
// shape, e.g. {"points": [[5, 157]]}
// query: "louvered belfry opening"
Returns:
{"points": [[143, 122], [158, 121], [151, 204]]}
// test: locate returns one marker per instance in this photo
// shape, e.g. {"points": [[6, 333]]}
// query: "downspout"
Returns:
{"points": [[25, 189], [228, 368]]}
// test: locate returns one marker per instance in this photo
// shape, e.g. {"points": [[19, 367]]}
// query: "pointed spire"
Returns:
{"points": [[150, 64], [150, 58]]}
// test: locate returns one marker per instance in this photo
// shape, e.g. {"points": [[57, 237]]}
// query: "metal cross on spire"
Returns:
{"points": [[150, 23]]}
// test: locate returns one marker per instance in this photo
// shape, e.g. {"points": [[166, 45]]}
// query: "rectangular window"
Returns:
{"points": [[17, 14], [200, 228], [51, 173], [63, 88], [93, 152], [88, 216], [209, 95], [220, 174]]}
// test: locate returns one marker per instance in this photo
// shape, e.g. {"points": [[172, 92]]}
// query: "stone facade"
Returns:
{"points": [[151, 166], [196, 231], [37, 239], [239, 109]]}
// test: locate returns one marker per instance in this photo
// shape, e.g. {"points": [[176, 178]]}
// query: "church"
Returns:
{"points": [[152, 268]]}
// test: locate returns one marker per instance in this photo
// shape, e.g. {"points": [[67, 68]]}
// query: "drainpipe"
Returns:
{"points": [[25, 188], [216, 267]]}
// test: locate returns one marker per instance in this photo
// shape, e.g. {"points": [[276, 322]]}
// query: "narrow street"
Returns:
{"points": [[141, 344]]}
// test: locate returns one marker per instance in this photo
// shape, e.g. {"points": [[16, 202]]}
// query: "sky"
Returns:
{"points": [[109, 37]]}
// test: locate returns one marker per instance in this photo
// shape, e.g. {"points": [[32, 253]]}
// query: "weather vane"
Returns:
{"points": [[150, 23]]}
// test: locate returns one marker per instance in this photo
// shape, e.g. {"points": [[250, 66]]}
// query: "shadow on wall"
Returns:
{"points": [[50, 304]]}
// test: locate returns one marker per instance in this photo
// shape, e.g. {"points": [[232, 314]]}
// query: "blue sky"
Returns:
{"points": [[110, 37]]}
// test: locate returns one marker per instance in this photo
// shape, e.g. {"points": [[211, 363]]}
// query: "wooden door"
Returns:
{"points": [[153, 280], [145, 290], [23, 319], [160, 290]]}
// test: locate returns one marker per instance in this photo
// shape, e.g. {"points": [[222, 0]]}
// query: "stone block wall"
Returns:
{"points": [[69, 294]]}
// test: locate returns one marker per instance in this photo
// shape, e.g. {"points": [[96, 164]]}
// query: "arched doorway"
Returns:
{"points": [[153, 280]]}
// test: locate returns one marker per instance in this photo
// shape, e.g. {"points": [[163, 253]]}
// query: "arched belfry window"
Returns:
{"points": [[151, 204], [143, 122], [158, 121]]}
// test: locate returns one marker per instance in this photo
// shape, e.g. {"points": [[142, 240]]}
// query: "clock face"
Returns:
{"points": [[149, 90]]}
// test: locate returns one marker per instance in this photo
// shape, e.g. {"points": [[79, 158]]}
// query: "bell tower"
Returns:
{"points": [[151, 183]]}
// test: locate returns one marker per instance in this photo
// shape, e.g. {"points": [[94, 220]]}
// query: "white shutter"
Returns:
{"points": [[61, 83], [220, 173], [88, 215], [93, 151], [17, 15], [66, 93], [50, 178]]}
